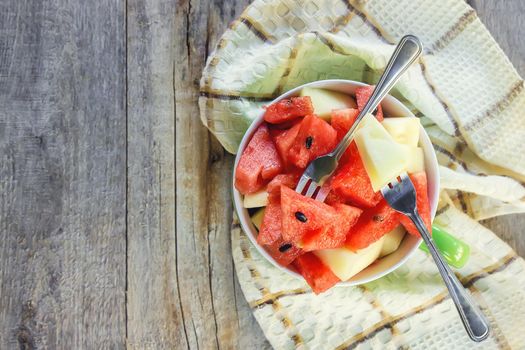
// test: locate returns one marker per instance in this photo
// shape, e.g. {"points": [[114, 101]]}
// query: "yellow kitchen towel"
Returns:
{"points": [[471, 101]]}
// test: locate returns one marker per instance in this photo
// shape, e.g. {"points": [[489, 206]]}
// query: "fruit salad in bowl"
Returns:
{"points": [[353, 237]]}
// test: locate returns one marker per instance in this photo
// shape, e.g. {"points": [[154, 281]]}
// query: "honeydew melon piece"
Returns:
{"points": [[369, 121], [346, 263], [257, 218], [392, 240], [383, 158], [324, 101], [416, 161], [404, 130], [256, 199]]}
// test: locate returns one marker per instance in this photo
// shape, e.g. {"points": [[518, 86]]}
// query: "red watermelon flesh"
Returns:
{"points": [[336, 235], [274, 186], [315, 138], [342, 120], [318, 276], [333, 198], [351, 181], [270, 230], [274, 133], [275, 128], [288, 109], [285, 139], [350, 153], [348, 216], [283, 252], [373, 224], [316, 216], [362, 94], [313, 225], [259, 162], [270, 235], [423, 205]]}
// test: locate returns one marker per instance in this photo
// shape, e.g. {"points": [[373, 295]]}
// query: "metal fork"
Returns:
{"points": [[401, 196], [406, 52]]}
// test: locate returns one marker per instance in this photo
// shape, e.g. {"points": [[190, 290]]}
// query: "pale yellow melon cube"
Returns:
{"points": [[392, 240], [383, 158], [346, 263], [403, 130], [324, 101], [256, 199], [257, 218], [416, 161]]}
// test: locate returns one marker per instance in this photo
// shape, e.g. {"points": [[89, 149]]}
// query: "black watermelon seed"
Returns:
{"points": [[285, 247], [300, 216], [378, 218], [375, 111], [308, 142]]}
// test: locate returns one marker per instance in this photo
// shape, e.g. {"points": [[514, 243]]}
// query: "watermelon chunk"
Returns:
{"points": [[351, 181], [423, 205], [318, 276], [342, 121], [270, 234], [333, 198], [270, 230], [304, 218], [283, 252], [275, 128], [259, 162], [346, 218], [274, 187], [313, 225], [373, 224], [315, 138], [284, 140], [362, 94], [288, 109]]}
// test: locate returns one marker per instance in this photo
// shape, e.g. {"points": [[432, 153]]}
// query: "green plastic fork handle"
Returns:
{"points": [[455, 252]]}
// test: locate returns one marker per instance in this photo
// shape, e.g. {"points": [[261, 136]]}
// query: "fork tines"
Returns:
{"points": [[310, 188], [302, 184], [400, 194]]}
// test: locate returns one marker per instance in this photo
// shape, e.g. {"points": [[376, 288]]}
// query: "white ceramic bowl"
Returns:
{"points": [[393, 108]]}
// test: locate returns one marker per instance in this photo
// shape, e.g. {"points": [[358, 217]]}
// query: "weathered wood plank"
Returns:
{"points": [[504, 20], [182, 290], [207, 285], [153, 308], [63, 174]]}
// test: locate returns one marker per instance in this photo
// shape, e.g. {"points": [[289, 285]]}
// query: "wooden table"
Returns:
{"points": [[114, 215]]}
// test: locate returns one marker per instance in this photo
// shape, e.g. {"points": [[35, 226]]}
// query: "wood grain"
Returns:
{"points": [[155, 316], [504, 20], [63, 172], [207, 282], [182, 289]]}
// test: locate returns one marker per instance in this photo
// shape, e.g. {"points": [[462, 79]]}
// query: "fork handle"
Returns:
{"points": [[407, 51], [473, 319]]}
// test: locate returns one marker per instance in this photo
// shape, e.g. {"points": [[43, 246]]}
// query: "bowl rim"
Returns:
{"points": [[249, 228]]}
